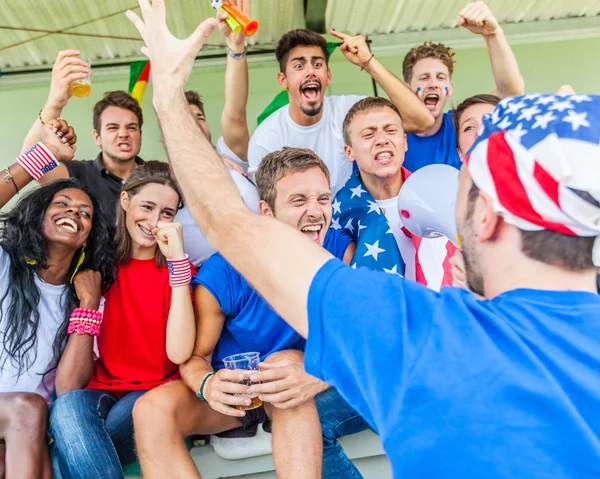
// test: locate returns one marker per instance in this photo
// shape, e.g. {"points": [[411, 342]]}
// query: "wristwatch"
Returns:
{"points": [[238, 55]]}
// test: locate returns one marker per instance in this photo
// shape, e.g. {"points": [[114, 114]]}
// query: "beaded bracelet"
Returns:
{"points": [[83, 328], [85, 321], [86, 313], [200, 393], [37, 161], [180, 271]]}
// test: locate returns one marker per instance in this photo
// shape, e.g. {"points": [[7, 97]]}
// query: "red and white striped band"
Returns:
{"points": [[37, 161]]}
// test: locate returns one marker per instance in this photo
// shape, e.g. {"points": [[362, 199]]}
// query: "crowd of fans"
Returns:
{"points": [[117, 310]]}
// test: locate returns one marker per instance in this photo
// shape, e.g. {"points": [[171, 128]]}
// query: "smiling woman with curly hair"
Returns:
{"points": [[56, 255]]}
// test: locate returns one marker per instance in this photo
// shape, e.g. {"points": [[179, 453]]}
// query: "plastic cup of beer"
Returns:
{"points": [[82, 88], [247, 364]]}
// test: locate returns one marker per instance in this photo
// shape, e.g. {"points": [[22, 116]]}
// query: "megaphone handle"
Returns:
{"points": [[236, 15], [233, 24]]}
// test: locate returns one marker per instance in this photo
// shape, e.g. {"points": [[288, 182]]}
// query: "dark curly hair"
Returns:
{"points": [[21, 237]]}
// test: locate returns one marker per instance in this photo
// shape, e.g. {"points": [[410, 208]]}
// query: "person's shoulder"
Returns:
{"points": [[337, 242], [215, 263], [273, 123], [80, 167]]}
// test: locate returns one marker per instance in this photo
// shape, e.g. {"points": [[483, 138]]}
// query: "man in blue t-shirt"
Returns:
{"points": [[233, 318], [457, 387], [428, 68]]}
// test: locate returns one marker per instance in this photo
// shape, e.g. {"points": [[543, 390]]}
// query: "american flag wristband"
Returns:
{"points": [[37, 161], [180, 271]]}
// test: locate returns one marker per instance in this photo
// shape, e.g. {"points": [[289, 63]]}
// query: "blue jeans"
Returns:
{"points": [[93, 434], [338, 419]]}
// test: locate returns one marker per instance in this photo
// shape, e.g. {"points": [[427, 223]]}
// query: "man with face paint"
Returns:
{"points": [[428, 68], [314, 121]]}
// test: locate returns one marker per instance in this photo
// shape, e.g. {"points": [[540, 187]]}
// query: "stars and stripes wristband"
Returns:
{"points": [[180, 271], [37, 161]]}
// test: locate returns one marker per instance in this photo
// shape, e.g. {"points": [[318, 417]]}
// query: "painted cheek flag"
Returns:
{"points": [[281, 99], [139, 75]]}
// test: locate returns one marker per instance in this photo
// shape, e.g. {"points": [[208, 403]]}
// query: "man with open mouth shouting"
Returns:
{"points": [[427, 69], [314, 121]]}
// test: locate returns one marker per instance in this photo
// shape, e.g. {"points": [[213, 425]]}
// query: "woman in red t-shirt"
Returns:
{"points": [[138, 350]]}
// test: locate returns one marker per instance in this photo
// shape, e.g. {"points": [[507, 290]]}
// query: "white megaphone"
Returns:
{"points": [[427, 201]]}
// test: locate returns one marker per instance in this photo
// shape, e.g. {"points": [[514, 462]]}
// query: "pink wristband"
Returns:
{"points": [[37, 161], [86, 313], [81, 327], [85, 321], [180, 271]]}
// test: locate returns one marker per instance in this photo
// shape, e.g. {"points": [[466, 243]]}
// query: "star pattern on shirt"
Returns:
{"points": [[358, 191], [335, 224], [373, 250], [577, 119], [373, 206], [541, 121], [394, 270], [360, 227], [545, 100], [336, 206], [530, 119], [528, 113], [349, 226], [562, 106]]}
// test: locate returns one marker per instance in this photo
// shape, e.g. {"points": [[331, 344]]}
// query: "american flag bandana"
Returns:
{"points": [[357, 213], [530, 155]]}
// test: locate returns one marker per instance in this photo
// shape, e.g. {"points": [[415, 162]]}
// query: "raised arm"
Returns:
{"points": [[234, 125], [415, 115], [67, 68], [27, 167], [181, 329], [258, 247], [479, 19]]}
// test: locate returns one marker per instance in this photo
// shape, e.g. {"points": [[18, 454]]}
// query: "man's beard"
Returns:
{"points": [[314, 111], [120, 160], [473, 276]]}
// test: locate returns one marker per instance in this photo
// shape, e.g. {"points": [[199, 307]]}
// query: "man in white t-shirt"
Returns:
{"points": [[366, 207], [314, 121]]}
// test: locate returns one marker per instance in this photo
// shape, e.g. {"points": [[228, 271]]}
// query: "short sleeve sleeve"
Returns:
{"points": [[259, 147], [337, 242], [215, 275]]}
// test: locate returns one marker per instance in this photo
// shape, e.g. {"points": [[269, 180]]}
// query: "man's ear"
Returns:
{"points": [[486, 220], [282, 80], [349, 153], [96, 137], [265, 209]]}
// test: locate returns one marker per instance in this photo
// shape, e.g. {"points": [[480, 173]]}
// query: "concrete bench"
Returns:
{"points": [[251, 457]]}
